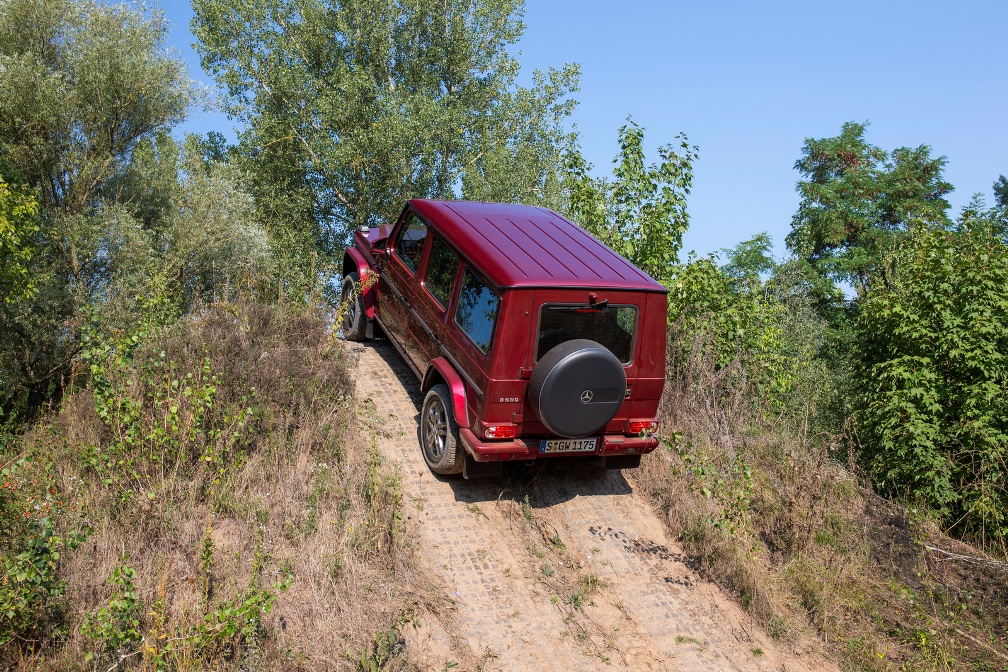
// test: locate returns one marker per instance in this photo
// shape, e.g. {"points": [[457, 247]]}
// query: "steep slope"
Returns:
{"points": [[562, 567]]}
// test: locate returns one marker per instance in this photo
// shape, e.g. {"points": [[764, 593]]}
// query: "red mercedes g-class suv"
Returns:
{"points": [[531, 338]]}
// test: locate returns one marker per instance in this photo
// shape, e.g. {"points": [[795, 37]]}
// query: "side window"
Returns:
{"points": [[409, 242], [441, 271], [476, 313]]}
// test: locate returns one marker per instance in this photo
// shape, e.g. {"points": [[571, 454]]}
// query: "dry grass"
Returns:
{"points": [[292, 493], [784, 522]]}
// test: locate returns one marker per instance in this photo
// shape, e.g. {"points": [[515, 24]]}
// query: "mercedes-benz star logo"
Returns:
{"points": [[586, 396]]}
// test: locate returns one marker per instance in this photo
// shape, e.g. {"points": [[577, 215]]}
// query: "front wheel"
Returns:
{"points": [[439, 433], [354, 320]]}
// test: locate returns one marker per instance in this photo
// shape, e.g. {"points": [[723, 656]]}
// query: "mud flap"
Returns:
{"points": [[473, 469], [623, 461]]}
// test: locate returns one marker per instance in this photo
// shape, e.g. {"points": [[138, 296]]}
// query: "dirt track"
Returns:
{"points": [[558, 568]]}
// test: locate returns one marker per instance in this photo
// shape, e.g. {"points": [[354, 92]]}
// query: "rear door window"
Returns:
{"points": [[476, 313], [612, 326], [441, 271]]}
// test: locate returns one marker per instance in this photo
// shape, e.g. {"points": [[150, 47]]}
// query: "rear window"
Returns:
{"points": [[611, 326], [476, 313]]}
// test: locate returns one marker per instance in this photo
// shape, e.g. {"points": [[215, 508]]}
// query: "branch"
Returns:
{"points": [[122, 658], [972, 559], [983, 644]]}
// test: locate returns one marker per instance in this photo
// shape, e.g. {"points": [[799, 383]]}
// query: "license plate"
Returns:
{"points": [[567, 445]]}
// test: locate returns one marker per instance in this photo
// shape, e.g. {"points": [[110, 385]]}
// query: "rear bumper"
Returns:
{"points": [[528, 449]]}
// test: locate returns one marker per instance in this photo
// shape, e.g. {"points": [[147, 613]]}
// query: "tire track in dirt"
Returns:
{"points": [[557, 568]]}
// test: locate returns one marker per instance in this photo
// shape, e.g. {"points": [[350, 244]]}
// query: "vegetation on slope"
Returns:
{"points": [[174, 475], [826, 457], [209, 500]]}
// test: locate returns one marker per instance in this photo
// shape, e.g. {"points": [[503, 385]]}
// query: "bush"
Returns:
{"points": [[33, 546], [932, 352]]}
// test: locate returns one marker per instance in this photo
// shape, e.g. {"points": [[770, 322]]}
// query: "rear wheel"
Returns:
{"points": [[439, 433], [354, 322]]}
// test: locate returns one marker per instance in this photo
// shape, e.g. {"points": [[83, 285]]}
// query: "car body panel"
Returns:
{"points": [[524, 246], [441, 367]]}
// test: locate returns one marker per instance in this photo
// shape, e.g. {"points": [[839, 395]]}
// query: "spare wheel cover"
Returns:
{"points": [[577, 388]]}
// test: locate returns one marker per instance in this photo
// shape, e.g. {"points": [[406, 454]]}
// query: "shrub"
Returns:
{"points": [[932, 352], [31, 587]]}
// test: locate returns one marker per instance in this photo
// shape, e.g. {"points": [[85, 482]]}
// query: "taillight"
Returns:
{"points": [[642, 427], [505, 431]]}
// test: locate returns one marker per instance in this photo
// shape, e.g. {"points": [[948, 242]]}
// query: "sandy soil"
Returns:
{"points": [[561, 567]]}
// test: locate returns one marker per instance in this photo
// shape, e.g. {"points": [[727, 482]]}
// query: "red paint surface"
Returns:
{"points": [[524, 246]]}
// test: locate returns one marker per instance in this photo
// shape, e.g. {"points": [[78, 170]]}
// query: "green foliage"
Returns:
{"points": [[207, 612], [816, 399], [83, 84], [216, 248], [161, 422], [388, 644], [35, 534], [353, 109], [857, 201], [749, 261], [31, 588], [932, 354], [736, 330], [199, 219], [206, 553], [726, 482], [237, 622], [118, 629], [641, 213], [116, 626], [1001, 191], [62, 59], [18, 226]]}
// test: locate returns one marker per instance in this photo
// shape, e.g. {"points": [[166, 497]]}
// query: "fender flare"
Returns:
{"points": [[356, 257], [455, 385]]}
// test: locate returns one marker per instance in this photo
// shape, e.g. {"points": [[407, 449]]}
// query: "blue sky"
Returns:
{"points": [[749, 82]]}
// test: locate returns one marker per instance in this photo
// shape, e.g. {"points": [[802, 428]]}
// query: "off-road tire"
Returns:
{"points": [[577, 388], [439, 433], [354, 322]]}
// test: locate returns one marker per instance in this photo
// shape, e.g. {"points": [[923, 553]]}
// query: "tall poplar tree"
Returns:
{"points": [[351, 108]]}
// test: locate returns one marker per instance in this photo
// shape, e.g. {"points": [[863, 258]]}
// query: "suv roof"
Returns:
{"points": [[526, 246]]}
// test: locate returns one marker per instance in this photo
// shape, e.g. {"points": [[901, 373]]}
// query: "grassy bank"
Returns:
{"points": [[209, 497], [784, 521]]}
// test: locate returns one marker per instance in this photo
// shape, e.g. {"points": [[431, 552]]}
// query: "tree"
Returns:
{"points": [[82, 83], [857, 201], [354, 107], [215, 243], [932, 373], [749, 261], [1001, 191], [641, 213]]}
